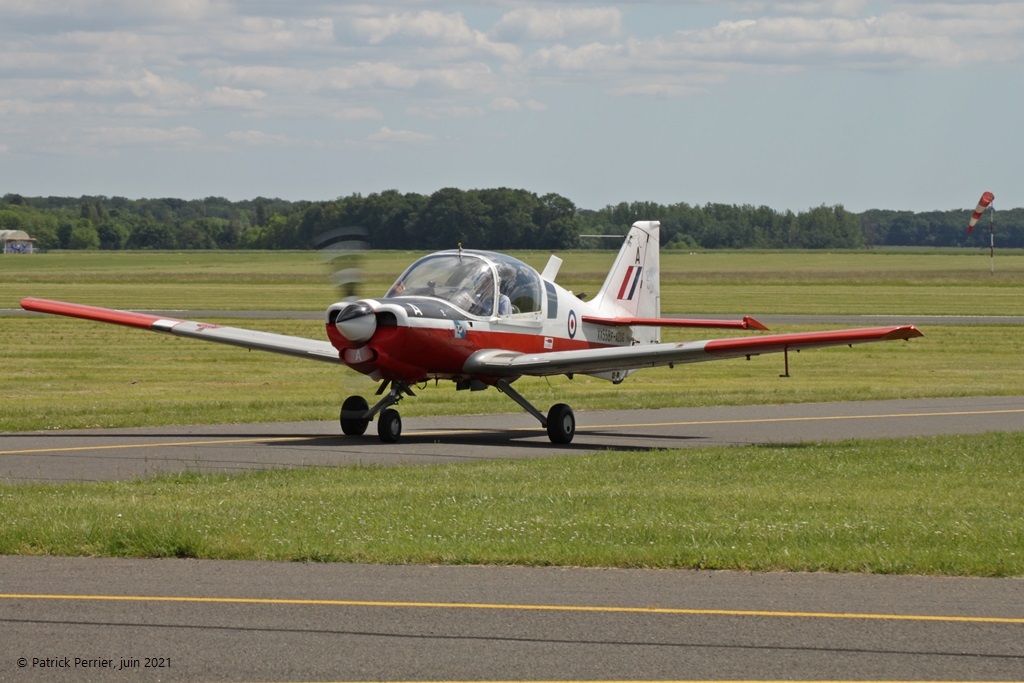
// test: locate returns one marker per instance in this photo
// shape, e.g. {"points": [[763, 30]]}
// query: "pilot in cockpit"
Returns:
{"points": [[506, 281]]}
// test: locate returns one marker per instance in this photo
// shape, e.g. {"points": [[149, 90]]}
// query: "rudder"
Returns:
{"points": [[633, 286]]}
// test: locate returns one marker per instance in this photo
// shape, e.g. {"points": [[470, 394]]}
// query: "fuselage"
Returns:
{"points": [[449, 305]]}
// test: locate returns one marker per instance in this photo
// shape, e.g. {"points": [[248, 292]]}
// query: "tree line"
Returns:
{"points": [[497, 219]]}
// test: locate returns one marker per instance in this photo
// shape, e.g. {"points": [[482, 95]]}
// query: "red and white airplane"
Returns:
{"points": [[485, 319]]}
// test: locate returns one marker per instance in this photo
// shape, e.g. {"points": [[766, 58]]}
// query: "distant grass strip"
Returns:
{"points": [[71, 374], [939, 506]]}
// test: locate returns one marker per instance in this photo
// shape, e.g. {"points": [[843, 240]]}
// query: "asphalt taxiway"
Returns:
{"points": [[119, 454], [237, 621]]}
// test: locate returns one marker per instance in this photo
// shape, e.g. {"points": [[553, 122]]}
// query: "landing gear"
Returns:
{"points": [[561, 424], [356, 413], [389, 426], [560, 420], [353, 420]]}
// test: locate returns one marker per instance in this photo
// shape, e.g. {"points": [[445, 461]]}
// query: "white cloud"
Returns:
{"points": [[890, 39], [385, 134], [75, 74], [358, 75], [509, 104], [534, 24], [188, 10], [447, 112], [687, 61], [595, 57], [841, 8], [233, 98], [431, 29], [264, 34], [257, 138], [357, 114], [137, 135]]}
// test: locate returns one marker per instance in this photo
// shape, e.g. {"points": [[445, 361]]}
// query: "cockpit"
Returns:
{"points": [[480, 283]]}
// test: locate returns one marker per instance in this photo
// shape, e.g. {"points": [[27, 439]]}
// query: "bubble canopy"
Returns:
{"points": [[473, 281]]}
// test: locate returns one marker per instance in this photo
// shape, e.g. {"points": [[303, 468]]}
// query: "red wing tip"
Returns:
{"points": [[29, 303], [905, 332], [754, 324], [105, 315]]}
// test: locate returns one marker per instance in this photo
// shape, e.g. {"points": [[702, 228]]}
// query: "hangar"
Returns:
{"points": [[17, 242]]}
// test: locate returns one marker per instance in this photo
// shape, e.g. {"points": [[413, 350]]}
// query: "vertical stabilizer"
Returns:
{"points": [[633, 286]]}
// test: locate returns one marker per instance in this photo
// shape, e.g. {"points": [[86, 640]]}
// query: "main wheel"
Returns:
{"points": [[561, 423], [352, 407], [389, 426]]}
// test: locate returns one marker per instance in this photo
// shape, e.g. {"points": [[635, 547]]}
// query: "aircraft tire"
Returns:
{"points": [[389, 426], [351, 426], [561, 424]]}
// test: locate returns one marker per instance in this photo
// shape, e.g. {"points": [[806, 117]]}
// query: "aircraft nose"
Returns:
{"points": [[356, 322]]}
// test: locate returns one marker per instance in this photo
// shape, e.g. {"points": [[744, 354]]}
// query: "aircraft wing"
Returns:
{"points": [[502, 363], [249, 339]]}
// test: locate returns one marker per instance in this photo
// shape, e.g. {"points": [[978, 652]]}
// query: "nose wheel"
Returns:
{"points": [[356, 413], [353, 416], [389, 426]]}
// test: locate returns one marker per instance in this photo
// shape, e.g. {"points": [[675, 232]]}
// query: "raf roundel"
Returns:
{"points": [[572, 324]]}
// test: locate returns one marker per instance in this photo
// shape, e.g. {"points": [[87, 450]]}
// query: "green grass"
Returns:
{"points": [[754, 283], [948, 505], [70, 373]]}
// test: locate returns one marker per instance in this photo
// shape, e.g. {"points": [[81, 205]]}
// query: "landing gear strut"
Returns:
{"points": [[560, 420], [356, 413]]}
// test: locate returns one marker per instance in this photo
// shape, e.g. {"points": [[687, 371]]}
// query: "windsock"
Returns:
{"points": [[983, 203]]}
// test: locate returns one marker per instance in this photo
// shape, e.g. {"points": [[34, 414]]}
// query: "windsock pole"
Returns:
{"points": [[986, 203], [992, 239]]}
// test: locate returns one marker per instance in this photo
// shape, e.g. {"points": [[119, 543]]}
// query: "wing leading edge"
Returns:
{"points": [[501, 363], [249, 339]]}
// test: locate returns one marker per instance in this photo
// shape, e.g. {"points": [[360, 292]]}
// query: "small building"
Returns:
{"points": [[17, 242]]}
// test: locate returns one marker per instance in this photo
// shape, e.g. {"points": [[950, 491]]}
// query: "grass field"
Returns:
{"points": [[936, 506], [949, 505], [753, 283]]}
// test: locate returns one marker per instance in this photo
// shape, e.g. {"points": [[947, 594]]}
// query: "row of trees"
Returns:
{"points": [[498, 219]]}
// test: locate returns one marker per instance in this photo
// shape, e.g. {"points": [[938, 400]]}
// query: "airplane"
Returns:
{"points": [[483, 319]]}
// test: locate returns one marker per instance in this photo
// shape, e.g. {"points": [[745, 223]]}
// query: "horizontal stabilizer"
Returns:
{"points": [[747, 323]]}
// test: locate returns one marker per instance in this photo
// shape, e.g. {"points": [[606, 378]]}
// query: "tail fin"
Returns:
{"points": [[633, 286]]}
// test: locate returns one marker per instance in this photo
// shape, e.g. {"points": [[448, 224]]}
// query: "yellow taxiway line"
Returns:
{"points": [[515, 607], [441, 432]]}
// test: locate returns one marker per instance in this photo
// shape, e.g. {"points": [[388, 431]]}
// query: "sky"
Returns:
{"points": [[888, 105]]}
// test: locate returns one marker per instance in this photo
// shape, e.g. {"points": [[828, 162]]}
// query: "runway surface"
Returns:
{"points": [[234, 621], [119, 454], [241, 621]]}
